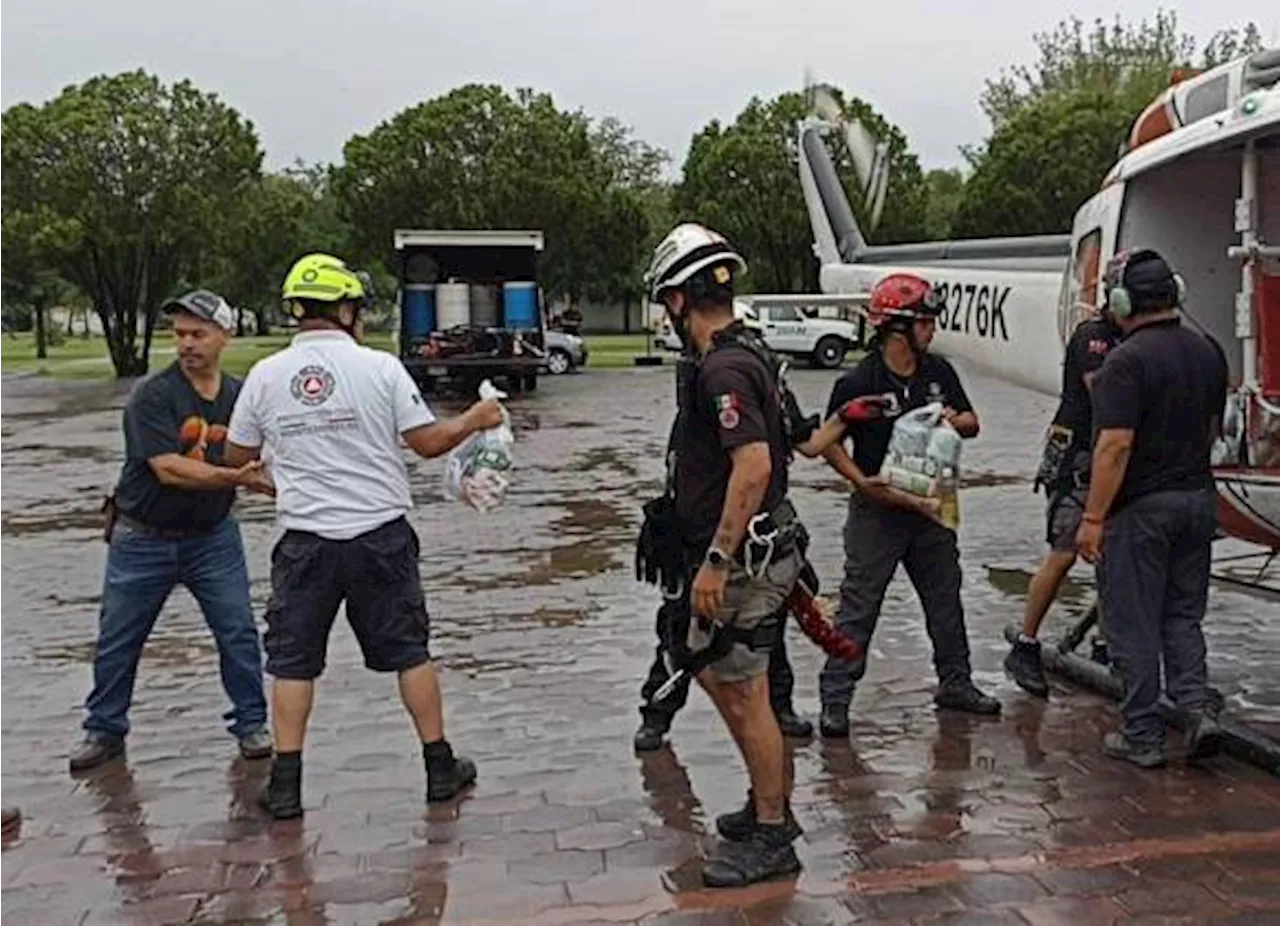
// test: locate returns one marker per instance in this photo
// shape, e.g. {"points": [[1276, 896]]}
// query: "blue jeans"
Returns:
{"points": [[1154, 585], [142, 569]]}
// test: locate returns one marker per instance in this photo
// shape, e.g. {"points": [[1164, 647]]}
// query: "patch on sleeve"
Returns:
{"points": [[727, 406]]}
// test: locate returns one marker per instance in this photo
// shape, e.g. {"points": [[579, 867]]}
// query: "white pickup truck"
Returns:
{"points": [[792, 331]]}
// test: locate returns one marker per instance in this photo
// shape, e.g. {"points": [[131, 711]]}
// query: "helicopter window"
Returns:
{"points": [[1085, 272], [1206, 99]]}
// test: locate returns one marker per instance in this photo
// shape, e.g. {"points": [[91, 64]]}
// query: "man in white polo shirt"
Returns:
{"points": [[331, 415]]}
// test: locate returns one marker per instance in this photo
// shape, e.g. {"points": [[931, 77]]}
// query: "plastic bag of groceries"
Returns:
{"points": [[911, 432], [924, 459], [476, 471]]}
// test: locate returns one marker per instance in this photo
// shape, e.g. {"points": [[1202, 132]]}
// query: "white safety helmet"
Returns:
{"points": [[686, 250]]}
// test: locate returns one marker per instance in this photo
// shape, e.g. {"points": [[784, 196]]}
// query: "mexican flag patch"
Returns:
{"points": [[727, 406]]}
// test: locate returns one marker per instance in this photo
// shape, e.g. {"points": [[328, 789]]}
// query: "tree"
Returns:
{"points": [[1076, 104], [1133, 63], [137, 179], [743, 181], [30, 232], [479, 157], [1041, 165], [946, 188], [277, 219]]}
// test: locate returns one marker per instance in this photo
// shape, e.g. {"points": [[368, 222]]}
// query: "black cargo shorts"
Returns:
{"points": [[376, 574]]}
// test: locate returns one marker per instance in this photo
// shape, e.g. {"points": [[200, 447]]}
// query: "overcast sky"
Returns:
{"points": [[311, 74]]}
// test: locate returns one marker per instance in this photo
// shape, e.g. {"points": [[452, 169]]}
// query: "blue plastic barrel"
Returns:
{"points": [[419, 306], [520, 305]]}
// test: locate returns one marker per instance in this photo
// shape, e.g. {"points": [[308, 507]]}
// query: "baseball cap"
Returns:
{"points": [[203, 304]]}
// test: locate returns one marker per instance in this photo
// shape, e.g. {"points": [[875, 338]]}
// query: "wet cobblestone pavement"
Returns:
{"points": [[922, 817]]}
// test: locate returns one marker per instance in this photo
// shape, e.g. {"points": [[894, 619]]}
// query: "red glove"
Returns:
{"points": [[864, 409]]}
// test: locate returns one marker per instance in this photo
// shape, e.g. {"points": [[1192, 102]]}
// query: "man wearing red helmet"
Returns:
{"points": [[886, 526]]}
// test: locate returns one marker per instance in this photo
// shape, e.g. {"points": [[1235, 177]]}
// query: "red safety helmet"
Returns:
{"points": [[901, 298]]}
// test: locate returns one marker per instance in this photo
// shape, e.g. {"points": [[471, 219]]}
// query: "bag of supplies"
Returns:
{"points": [[924, 459], [476, 471]]}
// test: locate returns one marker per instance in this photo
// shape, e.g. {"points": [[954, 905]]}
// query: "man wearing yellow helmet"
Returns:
{"points": [[332, 415]]}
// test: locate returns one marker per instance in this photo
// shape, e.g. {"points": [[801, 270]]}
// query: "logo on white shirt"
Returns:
{"points": [[312, 385]]}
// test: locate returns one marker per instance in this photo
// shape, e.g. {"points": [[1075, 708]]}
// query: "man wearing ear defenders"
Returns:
{"points": [[1150, 515]]}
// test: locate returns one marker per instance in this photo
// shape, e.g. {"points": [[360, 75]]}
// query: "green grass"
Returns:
{"points": [[611, 351], [78, 358]]}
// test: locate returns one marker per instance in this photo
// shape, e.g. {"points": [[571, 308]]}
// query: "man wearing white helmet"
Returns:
{"points": [[725, 588]]}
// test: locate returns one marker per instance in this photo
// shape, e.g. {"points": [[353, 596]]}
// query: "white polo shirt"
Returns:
{"points": [[328, 414]]}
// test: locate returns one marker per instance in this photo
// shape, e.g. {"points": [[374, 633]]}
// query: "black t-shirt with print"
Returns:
{"points": [[1089, 346], [733, 405], [165, 414], [935, 380]]}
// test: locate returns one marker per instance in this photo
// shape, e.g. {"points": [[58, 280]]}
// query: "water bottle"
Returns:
{"points": [[949, 498]]}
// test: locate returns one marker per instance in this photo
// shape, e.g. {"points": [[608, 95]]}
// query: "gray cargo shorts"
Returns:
{"points": [[747, 603], [1063, 516]]}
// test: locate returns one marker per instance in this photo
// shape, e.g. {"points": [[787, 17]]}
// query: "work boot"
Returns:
{"points": [[649, 736], [447, 775], [834, 722], [96, 749], [1214, 701], [1204, 737], [738, 824], [1024, 667], [792, 725], [256, 745], [1144, 755], [965, 696], [282, 797], [766, 853]]}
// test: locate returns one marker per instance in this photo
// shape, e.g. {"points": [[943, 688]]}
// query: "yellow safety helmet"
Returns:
{"points": [[325, 278]]}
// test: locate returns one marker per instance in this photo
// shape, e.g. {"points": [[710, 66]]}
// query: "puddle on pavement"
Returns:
{"points": [[43, 454], [22, 525], [601, 458], [167, 649], [1016, 582], [607, 537], [988, 480]]}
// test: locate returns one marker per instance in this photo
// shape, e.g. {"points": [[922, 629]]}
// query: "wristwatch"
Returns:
{"points": [[717, 559]]}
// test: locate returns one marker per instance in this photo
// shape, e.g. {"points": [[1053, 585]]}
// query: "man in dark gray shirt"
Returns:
{"points": [[1150, 516]]}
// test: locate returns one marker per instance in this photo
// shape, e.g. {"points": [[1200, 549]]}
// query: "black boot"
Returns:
{"points": [[834, 722], [1204, 736], [95, 750], [792, 725], [283, 795], [965, 696], [765, 854], [447, 775], [649, 736], [1024, 667], [737, 825]]}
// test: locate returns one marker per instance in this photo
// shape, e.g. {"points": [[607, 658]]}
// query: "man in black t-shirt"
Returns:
{"points": [[886, 526], [657, 715], [1064, 473], [1150, 517], [169, 524], [726, 573]]}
